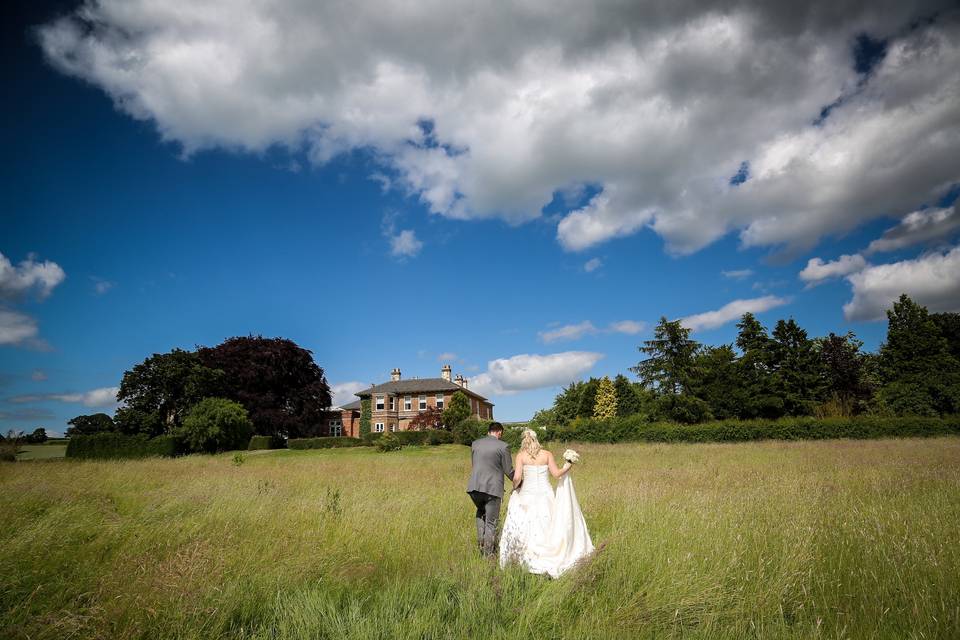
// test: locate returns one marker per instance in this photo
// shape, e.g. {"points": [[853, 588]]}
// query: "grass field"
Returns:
{"points": [[832, 539], [42, 451]]}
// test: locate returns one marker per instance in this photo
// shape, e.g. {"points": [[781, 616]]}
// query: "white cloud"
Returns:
{"points": [[654, 106], [446, 356], [817, 270], [732, 311], [919, 227], [17, 328], [100, 398], [38, 375], [737, 274], [343, 393], [523, 372], [592, 265], [630, 327], [932, 280], [405, 244], [101, 286], [568, 332], [29, 275]]}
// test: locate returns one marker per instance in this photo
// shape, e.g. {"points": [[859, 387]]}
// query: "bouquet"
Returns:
{"points": [[571, 456]]}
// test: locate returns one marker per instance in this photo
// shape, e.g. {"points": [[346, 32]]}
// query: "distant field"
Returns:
{"points": [[42, 451], [826, 539]]}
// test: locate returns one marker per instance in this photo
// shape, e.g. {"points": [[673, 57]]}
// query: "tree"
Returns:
{"points": [[567, 403], [216, 424], [39, 436], [629, 401], [755, 368], [588, 398], [949, 325], [796, 367], [605, 405], [134, 421], [670, 367], [843, 367], [277, 381], [429, 418], [366, 414], [718, 383], [919, 374], [85, 425], [458, 411], [166, 385]]}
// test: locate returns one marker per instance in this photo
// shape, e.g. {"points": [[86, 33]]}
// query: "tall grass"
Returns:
{"points": [[831, 539]]}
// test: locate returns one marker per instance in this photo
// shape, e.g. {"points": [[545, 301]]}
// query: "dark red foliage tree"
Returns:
{"points": [[282, 388], [431, 418]]}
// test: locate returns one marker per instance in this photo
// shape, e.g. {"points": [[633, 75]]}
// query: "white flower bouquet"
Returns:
{"points": [[571, 456]]}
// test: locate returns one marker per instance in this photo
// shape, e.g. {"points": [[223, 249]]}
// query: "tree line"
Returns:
{"points": [[769, 375]]}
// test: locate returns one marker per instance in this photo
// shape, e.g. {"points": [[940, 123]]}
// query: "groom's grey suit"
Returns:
{"points": [[491, 461]]}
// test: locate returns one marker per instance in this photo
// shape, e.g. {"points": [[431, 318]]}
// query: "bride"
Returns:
{"points": [[544, 531]]}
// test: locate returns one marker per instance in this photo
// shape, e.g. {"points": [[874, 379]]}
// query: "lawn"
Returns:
{"points": [[42, 451], [831, 539]]}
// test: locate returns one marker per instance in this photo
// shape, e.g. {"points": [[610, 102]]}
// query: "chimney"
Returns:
{"points": [[460, 380], [395, 375], [445, 372]]}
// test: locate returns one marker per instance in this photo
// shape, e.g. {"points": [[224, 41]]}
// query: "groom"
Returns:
{"points": [[491, 461]]}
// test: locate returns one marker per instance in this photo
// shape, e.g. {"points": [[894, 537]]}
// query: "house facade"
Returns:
{"points": [[395, 403]]}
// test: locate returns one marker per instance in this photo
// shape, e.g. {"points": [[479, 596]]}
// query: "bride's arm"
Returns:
{"points": [[518, 470], [555, 471]]}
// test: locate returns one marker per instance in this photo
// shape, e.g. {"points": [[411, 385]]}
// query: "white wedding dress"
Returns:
{"points": [[544, 531]]}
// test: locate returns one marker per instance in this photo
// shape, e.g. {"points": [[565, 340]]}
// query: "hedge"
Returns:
{"points": [[634, 429], [266, 442], [324, 443], [119, 445]]}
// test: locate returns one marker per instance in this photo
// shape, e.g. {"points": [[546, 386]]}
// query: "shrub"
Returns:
{"points": [[436, 437], [216, 424], [266, 442], [466, 431], [119, 445], [389, 442], [633, 428], [324, 443], [682, 408]]}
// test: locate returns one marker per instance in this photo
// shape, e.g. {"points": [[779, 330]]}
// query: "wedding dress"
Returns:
{"points": [[544, 531]]}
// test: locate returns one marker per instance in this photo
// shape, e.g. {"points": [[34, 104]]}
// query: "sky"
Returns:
{"points": [[521, 192]]}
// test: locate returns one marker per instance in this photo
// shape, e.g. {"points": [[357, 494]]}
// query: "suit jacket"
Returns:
{"points": [[491, 462]]}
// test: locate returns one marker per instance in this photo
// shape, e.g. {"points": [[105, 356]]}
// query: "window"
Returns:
{"points": [[378, 428], [379, 403], [393, 427], [335, 428], [392, 399], [423, 402], [439, 401], [407, 403]]}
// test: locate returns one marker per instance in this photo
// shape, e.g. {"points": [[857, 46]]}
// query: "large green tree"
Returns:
{"points": [[588, 398], [919, 374], [718, 383], [276, 380], [215, 424], [458, 411], [844, 369], [755, 370], [797, 371], [166, 385], [629, 400], [670, 366], [567, 403], [88, 424]]}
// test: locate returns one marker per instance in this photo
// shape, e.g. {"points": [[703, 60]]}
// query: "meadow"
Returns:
{"points": [[813, 539]]}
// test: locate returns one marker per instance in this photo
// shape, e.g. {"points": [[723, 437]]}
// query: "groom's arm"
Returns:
{"points": [[506, 463]]}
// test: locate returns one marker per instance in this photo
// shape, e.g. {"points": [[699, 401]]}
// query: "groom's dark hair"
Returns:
{"points": [[494, 427]]}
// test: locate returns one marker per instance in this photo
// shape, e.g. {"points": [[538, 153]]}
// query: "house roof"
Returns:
{"points": [[417, 385], [351, 406]]}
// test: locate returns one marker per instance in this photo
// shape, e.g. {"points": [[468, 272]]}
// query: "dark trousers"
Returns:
{"points": [[488, 513]]}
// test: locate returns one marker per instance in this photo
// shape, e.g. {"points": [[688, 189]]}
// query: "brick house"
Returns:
{"points": [[395, 403]]}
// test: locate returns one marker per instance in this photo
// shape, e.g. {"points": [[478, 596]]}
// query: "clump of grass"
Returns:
{"points": [[769, 540]]}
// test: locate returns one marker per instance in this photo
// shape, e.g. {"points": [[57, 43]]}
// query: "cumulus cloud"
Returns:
{"points": [[653, 108], [817, 270], [732, 311], [737, 274], [919, 227], [630, 327], [343, 393], [17, 328], [404, 243], [568, 332], [592, 265], [932, 280], [28, 276], [102, 397], [523, 372]]}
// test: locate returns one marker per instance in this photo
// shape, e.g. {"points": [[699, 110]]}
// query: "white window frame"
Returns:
{"points": [[378, 428], [392, 403], [378, 403], [408, 403], [422, 403], [393, 427], [439, 401], [335, 427]]}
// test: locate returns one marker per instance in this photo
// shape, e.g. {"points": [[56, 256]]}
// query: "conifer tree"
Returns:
{"points": [[628, 400], [798, 375], [755, 366], [669, 368], [588, 397], [605, 405]]}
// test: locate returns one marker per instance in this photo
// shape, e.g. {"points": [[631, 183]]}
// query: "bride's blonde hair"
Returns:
{"points": [[530, 443]]}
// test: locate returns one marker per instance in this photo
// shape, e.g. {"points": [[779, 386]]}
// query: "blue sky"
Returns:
{"points": [[180, 231]]}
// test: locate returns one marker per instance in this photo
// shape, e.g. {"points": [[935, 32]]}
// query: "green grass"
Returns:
{"points": [[42, 451], [827, 539]]}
